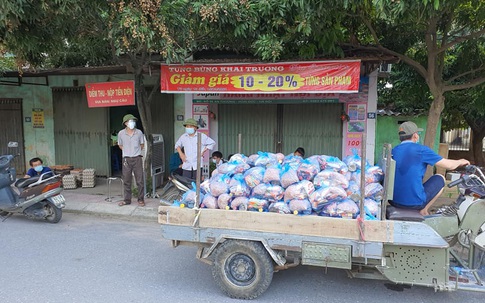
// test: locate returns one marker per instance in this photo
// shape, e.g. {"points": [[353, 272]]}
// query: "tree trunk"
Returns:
{"points": [[144, 109], [477, 147], [434, 115]]}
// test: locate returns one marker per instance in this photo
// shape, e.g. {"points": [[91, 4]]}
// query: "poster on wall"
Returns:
{"points": [[355, 128], [200, 112], [38, 120]]}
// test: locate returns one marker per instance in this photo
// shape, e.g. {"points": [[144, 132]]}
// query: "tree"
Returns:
{"points": [[469, 105], [464, 108], [144, 31], [271, 29], [421, 34], [67, 33], [38, 33]]}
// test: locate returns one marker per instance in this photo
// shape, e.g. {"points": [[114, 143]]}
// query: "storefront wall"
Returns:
{"points": [[38, 138], [315, 126], [38, 120]]}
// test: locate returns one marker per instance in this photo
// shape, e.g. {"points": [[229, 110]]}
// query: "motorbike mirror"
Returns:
{"points": [[13, 144]]}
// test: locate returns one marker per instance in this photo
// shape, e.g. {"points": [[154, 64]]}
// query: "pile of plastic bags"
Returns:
{"points": [[319, 185]]}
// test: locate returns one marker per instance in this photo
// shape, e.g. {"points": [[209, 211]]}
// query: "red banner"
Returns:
{"points": [[307, 77], [106, 94]]}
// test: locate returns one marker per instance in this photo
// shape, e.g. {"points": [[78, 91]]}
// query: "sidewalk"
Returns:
{"points": [[95, 201]]}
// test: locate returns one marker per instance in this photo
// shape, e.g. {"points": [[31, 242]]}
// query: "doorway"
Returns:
{"points": [[11, 117], [281, 128]]}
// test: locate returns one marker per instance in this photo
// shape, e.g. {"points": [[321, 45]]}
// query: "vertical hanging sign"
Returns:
{"points": [[200, 112], [355, 128], [38, 120]]}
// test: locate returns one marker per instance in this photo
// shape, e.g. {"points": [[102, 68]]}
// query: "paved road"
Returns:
{"points": [[93, 259]]}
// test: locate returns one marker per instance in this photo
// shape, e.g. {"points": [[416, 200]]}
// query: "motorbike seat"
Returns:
{"points": [[403, 214], [24, 182], [184, 180]]}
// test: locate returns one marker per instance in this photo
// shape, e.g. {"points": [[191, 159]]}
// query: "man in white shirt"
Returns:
{"points": [[189, 142]]}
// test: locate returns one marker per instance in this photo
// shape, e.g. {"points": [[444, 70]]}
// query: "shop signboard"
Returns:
{"points": [[107, 94], [274, 78], [258, 98]]}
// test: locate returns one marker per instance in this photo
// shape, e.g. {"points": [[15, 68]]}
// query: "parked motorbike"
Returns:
{"points": [[175, 188], [37, 197]]}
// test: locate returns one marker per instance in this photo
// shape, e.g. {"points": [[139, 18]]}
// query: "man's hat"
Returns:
{"points": [[192, 122], [128, 117], [408, 128]]}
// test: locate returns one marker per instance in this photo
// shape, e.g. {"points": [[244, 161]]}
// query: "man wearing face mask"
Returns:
{"points": [[412, 160], [131, 142], [217, 158], [189, 142], [36, 168]]}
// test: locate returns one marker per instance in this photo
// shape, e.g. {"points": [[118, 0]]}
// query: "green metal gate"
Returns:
{"points": [[280, 128], [81, 134], [256, 124], [315, 127]]}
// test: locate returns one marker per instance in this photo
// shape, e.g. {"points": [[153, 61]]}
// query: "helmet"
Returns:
{"points": [[192, 122], [128, 117]]}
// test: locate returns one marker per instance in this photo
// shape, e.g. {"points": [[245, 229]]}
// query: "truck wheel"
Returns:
{"points": [[242, 269]]}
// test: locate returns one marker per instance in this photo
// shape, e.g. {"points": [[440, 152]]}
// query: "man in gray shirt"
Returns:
{"points": [[131, 141]]}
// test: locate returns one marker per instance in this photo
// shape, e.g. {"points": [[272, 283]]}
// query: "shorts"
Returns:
{"points": [[431, 187]]}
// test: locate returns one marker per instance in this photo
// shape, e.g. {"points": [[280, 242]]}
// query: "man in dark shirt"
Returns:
{"points": [[36, 168]]}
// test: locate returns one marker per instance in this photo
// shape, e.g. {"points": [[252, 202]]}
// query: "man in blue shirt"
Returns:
{"points": [[412, 160], [36, 168]]}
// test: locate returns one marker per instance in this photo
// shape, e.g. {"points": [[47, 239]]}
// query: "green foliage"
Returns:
{"points": [[7, 63], [141, 28], [408, 94], [49, 32], [270, 29]]}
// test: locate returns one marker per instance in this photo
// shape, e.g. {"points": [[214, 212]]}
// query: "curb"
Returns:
{"points": [[135, 216]]}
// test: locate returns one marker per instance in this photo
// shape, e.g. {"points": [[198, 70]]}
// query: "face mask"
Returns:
{"points": [[39, 168], [189, 130], [131, 124], [214, 161]]}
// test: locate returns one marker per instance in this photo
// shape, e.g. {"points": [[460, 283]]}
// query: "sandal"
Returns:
{"points": [[123, 203], [141, 203]]}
